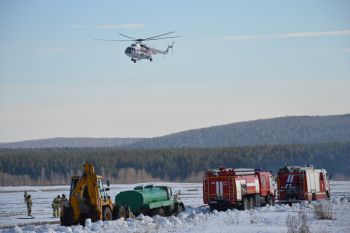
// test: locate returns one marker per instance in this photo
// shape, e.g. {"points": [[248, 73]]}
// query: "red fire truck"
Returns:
{"points": [[297, 183], [227, 188]]}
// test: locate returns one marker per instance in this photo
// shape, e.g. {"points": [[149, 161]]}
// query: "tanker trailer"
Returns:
{"points": [[148, 200]]}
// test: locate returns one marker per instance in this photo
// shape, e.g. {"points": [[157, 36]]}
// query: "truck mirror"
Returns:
{"points": [[108, 183], [170, 192]]}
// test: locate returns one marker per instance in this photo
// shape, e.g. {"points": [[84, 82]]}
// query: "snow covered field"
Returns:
{"points": [[196, 218]]}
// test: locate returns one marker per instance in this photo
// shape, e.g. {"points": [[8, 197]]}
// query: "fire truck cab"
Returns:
{"points": [[242, 188], [295, 184]]}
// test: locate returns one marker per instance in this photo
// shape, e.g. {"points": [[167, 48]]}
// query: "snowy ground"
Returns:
{"points": [[196, 218]]}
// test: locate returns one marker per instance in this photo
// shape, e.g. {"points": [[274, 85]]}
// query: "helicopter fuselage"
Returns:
{"points": [[140, 51]]}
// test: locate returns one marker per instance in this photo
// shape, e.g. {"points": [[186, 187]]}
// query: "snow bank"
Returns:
{"points": [[198, 218], [264, 219]]}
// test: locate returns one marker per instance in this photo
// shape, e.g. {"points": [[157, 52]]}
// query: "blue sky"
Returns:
{"points": [[235, 61]]}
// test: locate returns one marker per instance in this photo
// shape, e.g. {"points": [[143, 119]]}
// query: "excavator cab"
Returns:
{"points": [[103, 192]]}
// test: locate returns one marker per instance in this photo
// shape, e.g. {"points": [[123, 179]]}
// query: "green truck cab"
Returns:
{"points": [[148, 200]]}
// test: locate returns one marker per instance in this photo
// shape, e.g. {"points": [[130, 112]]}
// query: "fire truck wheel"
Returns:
{"points": [[314, 196], [251, 203], [257, 201], [270, 200], [212, 207], [245, 205]]}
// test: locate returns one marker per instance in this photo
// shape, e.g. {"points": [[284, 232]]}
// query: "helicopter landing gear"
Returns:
{"points": [[150, 59], [134, 60]]}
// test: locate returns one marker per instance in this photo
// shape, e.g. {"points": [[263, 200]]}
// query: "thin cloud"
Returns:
{"points": [[79, 26], [52, 51], [347, 50], [286, 35], [121, 26]]}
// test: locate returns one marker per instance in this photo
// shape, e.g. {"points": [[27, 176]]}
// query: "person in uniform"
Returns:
{"points": [[56, 204], [64, 202], [25, 196], [29, 205]]}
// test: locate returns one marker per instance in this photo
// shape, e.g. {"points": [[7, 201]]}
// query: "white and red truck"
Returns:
{"points": [[242, 188], [295, 184]]}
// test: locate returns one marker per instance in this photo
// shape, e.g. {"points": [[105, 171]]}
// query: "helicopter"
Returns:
{"points": [[139, 50]]}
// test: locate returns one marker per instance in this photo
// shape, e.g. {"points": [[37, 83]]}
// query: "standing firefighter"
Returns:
{"points": [[56, 204], [29, 205], [64, 202], [25, 196]]}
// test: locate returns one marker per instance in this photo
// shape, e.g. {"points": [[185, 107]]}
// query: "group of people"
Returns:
{"points": [[57, 204]]}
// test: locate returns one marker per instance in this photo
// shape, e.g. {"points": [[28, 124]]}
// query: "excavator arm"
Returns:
{"points": [[84, 201]]}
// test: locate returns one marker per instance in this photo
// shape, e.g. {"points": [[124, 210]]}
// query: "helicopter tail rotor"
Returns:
{"points": [[170, 47], [172, 51]]}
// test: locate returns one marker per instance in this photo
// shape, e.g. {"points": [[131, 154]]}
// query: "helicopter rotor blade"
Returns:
{"points": [[127, 36], [163, 38], [113, 40], [159, 35]]}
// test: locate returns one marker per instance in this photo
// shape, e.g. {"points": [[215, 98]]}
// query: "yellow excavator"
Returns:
{"points": [[88, 199]]}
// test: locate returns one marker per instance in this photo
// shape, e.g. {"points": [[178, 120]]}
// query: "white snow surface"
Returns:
{"points": [[196, 218]]}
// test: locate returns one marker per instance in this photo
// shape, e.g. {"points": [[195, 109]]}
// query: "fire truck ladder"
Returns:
{"points": [[244, 171]]}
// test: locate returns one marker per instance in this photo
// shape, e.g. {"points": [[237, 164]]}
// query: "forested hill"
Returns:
{"points": [[71, 143], [57, 165], [275, 131]]}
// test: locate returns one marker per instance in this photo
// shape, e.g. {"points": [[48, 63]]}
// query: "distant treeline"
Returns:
{"points": [[56, 166]]}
